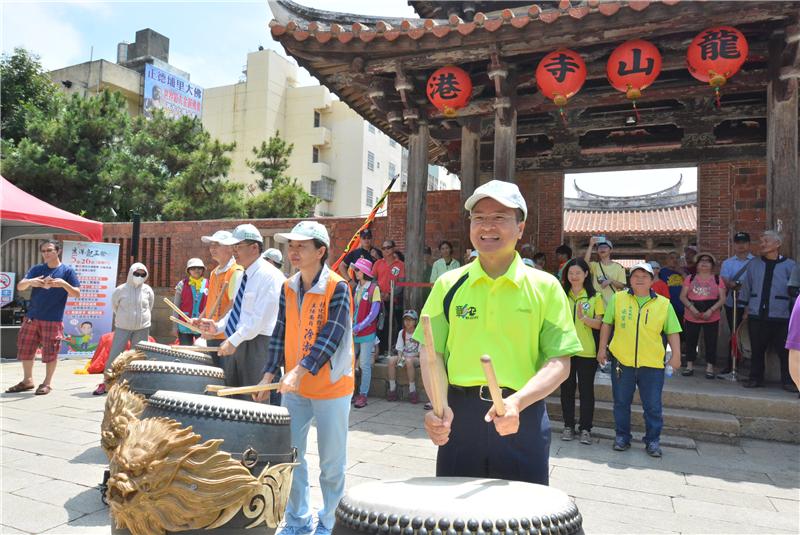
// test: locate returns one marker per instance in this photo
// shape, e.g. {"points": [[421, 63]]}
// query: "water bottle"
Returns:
{"points": [[668, 370]]}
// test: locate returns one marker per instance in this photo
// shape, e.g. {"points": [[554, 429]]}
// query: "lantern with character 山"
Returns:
{"points": [[449, 89], [560, 75], [632, 67], [716, 54]]}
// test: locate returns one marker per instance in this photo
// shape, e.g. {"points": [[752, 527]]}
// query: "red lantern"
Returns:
{"points": [[449, 89], [560, 75], [716, 54], [633, 66]]}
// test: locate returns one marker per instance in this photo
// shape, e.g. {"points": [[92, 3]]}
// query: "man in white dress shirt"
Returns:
{"points": [[249, 323]]}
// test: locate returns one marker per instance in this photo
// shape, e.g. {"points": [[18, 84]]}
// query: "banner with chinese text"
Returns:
{"points": [[6, 287], [89, 317], [172, 94]]}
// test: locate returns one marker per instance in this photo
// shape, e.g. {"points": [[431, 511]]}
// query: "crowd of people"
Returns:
{"points": [[312, 331]]}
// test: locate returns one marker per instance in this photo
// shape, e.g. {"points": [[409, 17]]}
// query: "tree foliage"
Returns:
{"points": [[271, 161], [25, 87]]}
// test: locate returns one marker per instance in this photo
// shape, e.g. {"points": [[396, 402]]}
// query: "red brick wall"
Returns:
{"points": [[731, 197], [544, 192]]}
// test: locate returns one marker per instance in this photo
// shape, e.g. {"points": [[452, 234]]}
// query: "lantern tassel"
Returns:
{"points": [[636, 112], [717, 97], [563, 117]]}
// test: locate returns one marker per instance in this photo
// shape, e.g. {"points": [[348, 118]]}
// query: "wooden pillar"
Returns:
{"points": [[470, 157], [415, 213], [505, 141], [783, 173]]}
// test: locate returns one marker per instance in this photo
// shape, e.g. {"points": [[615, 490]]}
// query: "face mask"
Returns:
{"points": [[137, 281]]}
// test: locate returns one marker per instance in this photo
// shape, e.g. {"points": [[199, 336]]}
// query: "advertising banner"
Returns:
{"points": [[6, 287], [172, 94], [90, 316]]}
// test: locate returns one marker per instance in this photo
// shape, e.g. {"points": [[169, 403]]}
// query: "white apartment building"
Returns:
{"points": [[337, 155]]}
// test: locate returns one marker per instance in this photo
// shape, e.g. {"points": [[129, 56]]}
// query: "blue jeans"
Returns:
{"points": [[332, 419], [650, 382], [365, 350]]}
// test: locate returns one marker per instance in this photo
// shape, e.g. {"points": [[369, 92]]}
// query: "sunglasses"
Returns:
{"points": [[139, 274]]}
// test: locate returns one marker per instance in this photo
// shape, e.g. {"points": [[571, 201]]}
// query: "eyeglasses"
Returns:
{"points": [[385, 247], [494, 219]]}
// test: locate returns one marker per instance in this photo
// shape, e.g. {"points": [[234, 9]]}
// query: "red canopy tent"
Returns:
{"points": [[21, 214]]}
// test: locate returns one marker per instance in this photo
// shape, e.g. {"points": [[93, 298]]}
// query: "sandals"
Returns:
{"points": [[42, 390], [19, 387], [687, 372]]}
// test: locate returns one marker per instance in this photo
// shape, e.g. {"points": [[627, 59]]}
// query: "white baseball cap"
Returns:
{"points": [[193, 263], [645, 266], [305, 230], [506, 193], [273, 254], [243, 232], [218, 237]]}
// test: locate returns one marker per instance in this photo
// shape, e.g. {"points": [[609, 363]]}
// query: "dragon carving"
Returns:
{"points": [[164, 479], [122, 407], [111, 375]]}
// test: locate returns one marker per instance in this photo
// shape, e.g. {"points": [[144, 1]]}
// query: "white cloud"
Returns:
{"points": [[39, 28]]}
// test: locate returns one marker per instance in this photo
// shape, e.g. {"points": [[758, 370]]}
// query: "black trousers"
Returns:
{"points": [[476, 450], [763, 335], [691, 332], [581, 374]]}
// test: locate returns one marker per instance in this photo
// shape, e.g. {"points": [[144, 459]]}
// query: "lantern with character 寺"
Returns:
{"points": [[632, 67], [449, 89], [560, 75], [716, 54]]}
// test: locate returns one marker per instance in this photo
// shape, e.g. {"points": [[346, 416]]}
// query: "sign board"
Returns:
{"points": [[172, 94], [6, 287]]}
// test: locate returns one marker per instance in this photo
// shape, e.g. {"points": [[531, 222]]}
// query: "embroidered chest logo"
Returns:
{"points": [[395, 271], [466, 312]]}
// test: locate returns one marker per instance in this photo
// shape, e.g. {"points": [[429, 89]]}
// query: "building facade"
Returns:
{"points": [[337, 155]]}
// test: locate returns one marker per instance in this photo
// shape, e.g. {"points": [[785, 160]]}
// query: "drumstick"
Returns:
{"points": [[494, 388], [174, 307], [199, 349], [247, 389], [187, 325], [214, 309], [438, 393], [215, 388]]}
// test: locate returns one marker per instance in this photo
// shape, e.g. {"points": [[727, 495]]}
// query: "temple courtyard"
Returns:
{"points": [[51, 464]]}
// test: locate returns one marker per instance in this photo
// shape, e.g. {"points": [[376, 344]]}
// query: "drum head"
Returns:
{"points": [[420, 505], [178, 368], [219, 408]]}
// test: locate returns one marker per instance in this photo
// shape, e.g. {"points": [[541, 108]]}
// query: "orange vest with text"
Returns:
{"points": [[215, 283]]}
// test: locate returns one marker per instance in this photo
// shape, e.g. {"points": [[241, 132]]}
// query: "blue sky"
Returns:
{"points": [[211, 40]]}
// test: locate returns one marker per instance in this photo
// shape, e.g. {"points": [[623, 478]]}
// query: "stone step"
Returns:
{"points": [[698, 425], [670, 441]]}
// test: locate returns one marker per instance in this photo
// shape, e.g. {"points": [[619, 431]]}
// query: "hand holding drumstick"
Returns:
{"points": [[439, 420], [504, 412]]}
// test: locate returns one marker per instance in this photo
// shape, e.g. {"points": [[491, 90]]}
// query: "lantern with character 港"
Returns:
{"points": [[449, 89]]}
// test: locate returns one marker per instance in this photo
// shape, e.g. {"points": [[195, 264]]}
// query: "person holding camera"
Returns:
{"points": [[607, 276], [731, 272]]}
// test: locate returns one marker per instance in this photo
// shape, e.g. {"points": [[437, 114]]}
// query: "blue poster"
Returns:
{"points": [[172, 94], [89, 316]]}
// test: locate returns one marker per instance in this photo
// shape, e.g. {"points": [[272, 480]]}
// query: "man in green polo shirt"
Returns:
{"points": [[521, 318]]}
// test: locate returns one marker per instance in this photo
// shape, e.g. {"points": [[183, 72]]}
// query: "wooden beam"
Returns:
{"points": [[783, 172], [415, 213], [470, 157]]}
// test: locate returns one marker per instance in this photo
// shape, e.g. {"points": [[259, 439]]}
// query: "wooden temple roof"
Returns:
{"points": [[380, 65]]}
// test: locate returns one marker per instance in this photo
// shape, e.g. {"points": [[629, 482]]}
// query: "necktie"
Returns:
{"points": [[233, 319]]}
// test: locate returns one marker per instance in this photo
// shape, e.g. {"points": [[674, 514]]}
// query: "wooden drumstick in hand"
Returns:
{"points": [[177, 310], [494, 388], [436, 373], [233, 391]]}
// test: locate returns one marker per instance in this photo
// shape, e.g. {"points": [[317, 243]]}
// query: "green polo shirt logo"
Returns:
{"points": [[466, 312]]}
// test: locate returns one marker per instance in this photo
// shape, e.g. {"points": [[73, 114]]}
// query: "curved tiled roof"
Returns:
{"points": [[296, 21], [661, 221]]}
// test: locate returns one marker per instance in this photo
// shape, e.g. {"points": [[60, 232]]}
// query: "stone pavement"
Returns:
{"points": [[51, 462]]}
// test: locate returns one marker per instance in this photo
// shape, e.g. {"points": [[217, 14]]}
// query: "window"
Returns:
{"points": [[392, 170], [370, 160], [315, 154], [323, 188], [370, 197], [392, 143], [317, 119], [371, 128]]}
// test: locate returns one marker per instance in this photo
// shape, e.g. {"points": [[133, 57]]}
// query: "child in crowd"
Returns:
{"points": [[407, 355]]}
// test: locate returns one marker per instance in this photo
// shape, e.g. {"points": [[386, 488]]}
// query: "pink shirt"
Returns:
{"points": [[702, 290]]}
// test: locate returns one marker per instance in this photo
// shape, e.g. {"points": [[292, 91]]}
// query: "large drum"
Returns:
{"points": [[455, 505], [197, 464], [148, 376], [154, 351]]}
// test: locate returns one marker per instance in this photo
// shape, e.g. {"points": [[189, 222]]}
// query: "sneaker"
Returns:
{"points": [[391, 395], [413, 398], [428, 406], [322, 530], [567, 434], [586, 437], [621, 445], [100, 390], [653, 449], [296, 530], [361, 401]]}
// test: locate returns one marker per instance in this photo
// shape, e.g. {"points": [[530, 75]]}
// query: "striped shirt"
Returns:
{"points": [[329, 338]]}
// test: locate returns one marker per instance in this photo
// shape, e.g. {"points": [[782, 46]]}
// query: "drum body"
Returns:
{"points": [[165, 353], [455, 505], [148, 376], [216, 466]]}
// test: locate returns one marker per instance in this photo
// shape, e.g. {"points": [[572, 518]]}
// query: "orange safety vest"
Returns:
{"points": [[302, 329], [215, 282]]}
